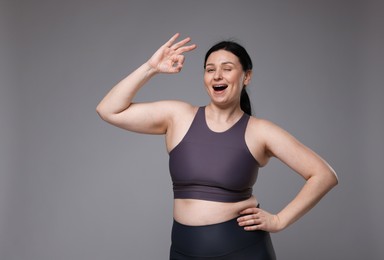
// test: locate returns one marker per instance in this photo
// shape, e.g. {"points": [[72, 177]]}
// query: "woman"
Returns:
{"points": [[215, 152]]}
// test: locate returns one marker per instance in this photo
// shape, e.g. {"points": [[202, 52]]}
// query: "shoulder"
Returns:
{"points": [[257, 138], [178, 112], [277, 141], [182, 116], [268, 130], [262, 126], [270, 135]]}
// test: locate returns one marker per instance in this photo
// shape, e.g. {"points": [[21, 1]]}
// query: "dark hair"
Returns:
{"points": [[245, 61]]}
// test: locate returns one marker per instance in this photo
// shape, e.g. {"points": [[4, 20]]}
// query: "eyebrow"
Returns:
{"points": [[223, 63]]}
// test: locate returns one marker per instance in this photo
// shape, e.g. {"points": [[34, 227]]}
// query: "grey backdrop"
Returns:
{"points": [[73, 187]]}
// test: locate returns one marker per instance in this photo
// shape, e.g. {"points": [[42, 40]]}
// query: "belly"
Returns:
{"points": [[194, 212]]}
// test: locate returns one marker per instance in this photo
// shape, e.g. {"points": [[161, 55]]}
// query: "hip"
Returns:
{"points": [[226, 240]]}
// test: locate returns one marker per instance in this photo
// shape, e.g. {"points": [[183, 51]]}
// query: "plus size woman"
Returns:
{"points": [[215, 152]]}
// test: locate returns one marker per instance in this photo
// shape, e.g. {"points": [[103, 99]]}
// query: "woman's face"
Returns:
{"points": [[224, 77]]}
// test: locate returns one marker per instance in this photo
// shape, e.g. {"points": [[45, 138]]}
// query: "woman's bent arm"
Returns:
{"points": [[117, 107], [319, 176]]}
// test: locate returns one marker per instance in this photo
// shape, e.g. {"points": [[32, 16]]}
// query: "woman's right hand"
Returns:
{"points": [[169, 58]]}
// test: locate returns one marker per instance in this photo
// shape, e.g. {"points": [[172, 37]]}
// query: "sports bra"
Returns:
{"points": [[213, 166]]}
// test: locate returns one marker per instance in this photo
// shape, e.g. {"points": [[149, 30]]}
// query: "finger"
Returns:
{"points": [[251, 224], [177, 64], [247, 217], [170, 42], [180, 59], [250, 221], [253, 228], [186, 48], [181, 43]]}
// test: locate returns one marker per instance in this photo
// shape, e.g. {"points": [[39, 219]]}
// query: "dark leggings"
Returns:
{"points": [[222, 241]]}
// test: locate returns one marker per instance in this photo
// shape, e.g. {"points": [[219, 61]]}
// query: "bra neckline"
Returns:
{"points": [[221, 132]]}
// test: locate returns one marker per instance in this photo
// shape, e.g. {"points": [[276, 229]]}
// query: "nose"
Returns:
{"points": [[217, 74]]}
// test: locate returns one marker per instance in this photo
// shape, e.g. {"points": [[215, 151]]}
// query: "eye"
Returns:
{"points": [[209, 70]]}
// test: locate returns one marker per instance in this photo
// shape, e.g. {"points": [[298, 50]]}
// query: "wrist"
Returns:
{"points": [[150, 70], [281, 224]]}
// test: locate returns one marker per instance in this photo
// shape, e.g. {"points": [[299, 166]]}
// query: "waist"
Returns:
{"points": [[194, 212]]}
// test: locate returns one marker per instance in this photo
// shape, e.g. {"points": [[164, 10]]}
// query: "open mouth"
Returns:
{"points": [[219, 87]]}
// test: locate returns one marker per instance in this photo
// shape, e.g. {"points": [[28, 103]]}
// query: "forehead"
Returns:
{"points": [[222, 56]]}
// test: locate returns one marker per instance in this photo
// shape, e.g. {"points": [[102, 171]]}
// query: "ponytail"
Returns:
{"points": [[245, 102]]}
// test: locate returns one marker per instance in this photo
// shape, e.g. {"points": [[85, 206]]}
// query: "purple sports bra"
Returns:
{"points": [[213, 166]]}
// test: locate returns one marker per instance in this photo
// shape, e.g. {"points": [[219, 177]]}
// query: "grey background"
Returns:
{"points": [[74, 187]]}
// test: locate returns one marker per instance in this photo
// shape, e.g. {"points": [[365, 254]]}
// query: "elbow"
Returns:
{"points": [[99, 111], [335, 179], [102, 113], [327, 180], [331, 179], [107, 115], [330, 176]]}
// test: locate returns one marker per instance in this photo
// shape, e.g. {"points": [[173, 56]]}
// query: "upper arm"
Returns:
{"points": [[282, 145], [147, 118]]}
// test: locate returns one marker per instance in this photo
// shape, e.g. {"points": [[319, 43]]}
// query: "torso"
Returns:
{"points": [[202, 212]]}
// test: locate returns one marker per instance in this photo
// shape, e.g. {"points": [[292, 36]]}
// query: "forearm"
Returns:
{"points": [[310, 194], [120, 97]]}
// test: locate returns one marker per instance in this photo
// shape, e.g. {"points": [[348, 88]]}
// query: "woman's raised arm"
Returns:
{"points": [[117, 108]]}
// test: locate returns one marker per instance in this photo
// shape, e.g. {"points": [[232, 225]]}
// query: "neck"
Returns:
{"points": [[227, 114]]}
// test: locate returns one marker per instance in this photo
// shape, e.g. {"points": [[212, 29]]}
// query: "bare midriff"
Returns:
{"points": [[195, 212]]}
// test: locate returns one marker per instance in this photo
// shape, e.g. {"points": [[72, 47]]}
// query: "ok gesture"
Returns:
{"points": [[169, 58]]}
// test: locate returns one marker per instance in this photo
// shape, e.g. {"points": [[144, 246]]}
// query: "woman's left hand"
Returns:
{"points": [[259, 219]]}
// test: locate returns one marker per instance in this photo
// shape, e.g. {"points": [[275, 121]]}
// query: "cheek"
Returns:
{"points": [[241, 79], [206, 79], [236, 79]]}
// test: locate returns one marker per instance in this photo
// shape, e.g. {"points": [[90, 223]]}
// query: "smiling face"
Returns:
{"points": [[224, 78]]}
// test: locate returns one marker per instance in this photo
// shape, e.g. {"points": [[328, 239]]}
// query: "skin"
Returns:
{"points": [[263, 138]]}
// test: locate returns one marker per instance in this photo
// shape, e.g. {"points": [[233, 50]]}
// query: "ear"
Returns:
{"points": [[247, 77]]}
